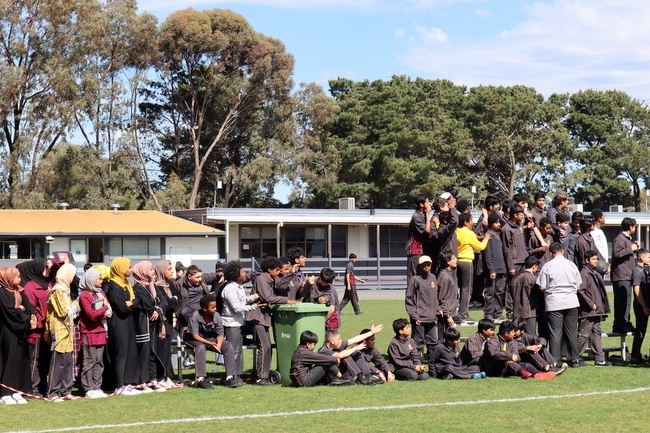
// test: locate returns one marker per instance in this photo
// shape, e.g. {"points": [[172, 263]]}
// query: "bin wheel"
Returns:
{"points": [[275, 376]]}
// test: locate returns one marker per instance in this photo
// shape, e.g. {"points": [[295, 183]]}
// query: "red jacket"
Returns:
{"points": [[90, 320]]}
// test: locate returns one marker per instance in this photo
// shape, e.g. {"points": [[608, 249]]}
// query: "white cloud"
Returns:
{"points": [[429, 35], [561, 46], [483, 13]]}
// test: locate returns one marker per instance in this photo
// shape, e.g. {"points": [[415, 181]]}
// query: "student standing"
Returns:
{"points": [[94, 310], [623, 264], [351, 286], [526, 295], [59, 333], [447, 291], [467, 243], [593, 306], [16, 319], [559, 280], [514, 249], [419, 227], [641, 304], [422, 306], [494, 268]]}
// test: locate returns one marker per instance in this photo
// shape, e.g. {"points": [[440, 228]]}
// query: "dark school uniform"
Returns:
{"points": [[415, 239], [499, 352], [442, 238], [640, 278], [535, 249], [494, 262], [328, 291], [147, 335], [623, 264], [14, 349], [591, 292], [309, 367], [350, 289], [190, 295], [526, 297], [474, 349], [403, 355], [210, 329], [351, 366], [260, 322], [584, 243], [122, 348], [541, 359], [447, 298], [538, 214], [376, 361], [515, 253], [447, 361], [422, 306]]}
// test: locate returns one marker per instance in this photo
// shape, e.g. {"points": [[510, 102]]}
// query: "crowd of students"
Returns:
{"points": [[541, 268]]}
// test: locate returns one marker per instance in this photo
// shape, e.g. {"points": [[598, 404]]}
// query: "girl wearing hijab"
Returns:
{"points": [[168, 304], [59, 333], [148, 322], [122, 348], [16, 318], [94, 310], [37, 278]]}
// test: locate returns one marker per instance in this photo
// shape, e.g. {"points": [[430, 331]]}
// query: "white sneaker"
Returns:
{"points": [[96, 393], [19, 398], [159, 388], [7, 399], [146, 390]]}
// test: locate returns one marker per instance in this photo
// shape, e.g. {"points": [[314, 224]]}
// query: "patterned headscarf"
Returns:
{"points": [[119, 267]]}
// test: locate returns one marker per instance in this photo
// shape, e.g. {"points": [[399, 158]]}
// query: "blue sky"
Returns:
{"points": [[553, 46]]}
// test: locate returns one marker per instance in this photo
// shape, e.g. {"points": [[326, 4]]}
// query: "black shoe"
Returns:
{"points": [[264, 382], [378, 380], [557, 371], [234, 382], [339, 382], [360, 313], [603, 364], [366, 379], [638, 361], [203, 384], [629, 328], [578, 363]]}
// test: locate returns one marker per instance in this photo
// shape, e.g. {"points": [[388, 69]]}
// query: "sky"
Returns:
{"points": [[553, 46]]}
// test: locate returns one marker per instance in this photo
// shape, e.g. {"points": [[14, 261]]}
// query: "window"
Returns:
{"points": [[392, 239], [135, 248], [339, 241]]}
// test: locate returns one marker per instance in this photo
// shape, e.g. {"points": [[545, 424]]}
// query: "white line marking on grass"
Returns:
{"points": [[334, 409]]}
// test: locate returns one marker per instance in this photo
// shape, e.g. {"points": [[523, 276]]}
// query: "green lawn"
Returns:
{"points": [[585, 399]]}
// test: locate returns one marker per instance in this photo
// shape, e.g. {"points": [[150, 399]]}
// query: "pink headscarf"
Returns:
{"points": [[142, 275], [7, 277]]}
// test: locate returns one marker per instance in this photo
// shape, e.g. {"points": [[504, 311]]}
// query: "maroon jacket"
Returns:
{"points": [[90, 319]]}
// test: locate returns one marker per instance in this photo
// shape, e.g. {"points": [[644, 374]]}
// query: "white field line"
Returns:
{"points": [[334, 409]]}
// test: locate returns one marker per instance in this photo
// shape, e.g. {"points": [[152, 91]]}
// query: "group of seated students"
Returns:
{"points": [[511, 352]]}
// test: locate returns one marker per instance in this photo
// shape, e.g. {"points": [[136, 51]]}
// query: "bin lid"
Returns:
{"points": [[303, 307]]}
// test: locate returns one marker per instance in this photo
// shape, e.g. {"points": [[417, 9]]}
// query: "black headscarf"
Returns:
{"points": [[32, 270]]}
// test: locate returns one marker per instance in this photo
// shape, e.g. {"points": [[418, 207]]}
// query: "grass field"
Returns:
{"points": [[585, 399]]}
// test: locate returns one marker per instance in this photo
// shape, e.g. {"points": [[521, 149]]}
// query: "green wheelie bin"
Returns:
{"points": [[289, 321]]}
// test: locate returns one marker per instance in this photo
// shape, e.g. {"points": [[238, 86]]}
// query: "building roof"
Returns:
{"points": [[76, 222], [351, 217]]}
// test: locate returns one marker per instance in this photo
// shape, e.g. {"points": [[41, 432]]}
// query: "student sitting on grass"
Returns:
{"points": [[532, 349], [503, 356], [474, 349], [353, 367], [308, 367], [376, 361], [447, 362], [205, 332], [403, 354]]}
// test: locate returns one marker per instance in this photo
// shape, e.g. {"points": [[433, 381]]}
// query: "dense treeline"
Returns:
{"points": [[102, 104]]}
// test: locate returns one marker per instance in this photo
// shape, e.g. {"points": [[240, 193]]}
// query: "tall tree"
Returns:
{"points": [[611, 132], [510, 131], [224, 87], [397, 138]]}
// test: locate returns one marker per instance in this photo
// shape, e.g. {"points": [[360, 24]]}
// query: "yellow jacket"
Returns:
{"points": [[468, 243]]}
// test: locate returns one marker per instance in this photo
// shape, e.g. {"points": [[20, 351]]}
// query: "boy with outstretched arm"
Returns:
{"points": [[353, 366], [447, 362], [403, 354], [308, 367], [205, 332], [376, 361]]}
